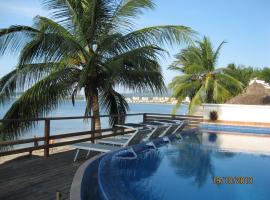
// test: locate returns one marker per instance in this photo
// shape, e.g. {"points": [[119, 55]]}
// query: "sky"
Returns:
{"points": [[243, 24]]}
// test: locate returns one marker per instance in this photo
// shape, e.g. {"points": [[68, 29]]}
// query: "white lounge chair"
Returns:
{"points": [[167, 125], [136, 138], [178, 124], [154, 125], [120, 141]]}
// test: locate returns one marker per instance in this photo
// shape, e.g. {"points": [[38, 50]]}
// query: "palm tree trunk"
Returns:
{"points": [[95, 109]]}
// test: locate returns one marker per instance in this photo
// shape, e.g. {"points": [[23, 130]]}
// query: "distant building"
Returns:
{"points": [[255, 80], [161, 100]]}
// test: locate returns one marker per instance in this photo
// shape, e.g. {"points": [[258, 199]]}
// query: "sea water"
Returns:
{"points": [[68, 126]]}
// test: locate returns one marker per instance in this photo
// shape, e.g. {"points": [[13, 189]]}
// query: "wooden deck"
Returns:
{"points": [[35, 177]]}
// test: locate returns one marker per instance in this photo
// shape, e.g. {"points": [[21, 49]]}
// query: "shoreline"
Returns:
{"points": [[152, 103], [155, 103]]}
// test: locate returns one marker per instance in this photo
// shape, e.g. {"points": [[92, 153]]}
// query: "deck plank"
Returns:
{"points": [[38, 177]]}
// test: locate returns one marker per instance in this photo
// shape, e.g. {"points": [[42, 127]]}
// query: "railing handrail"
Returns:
{"points": [[176, 115], [67, 118], [90, 117], [21, 141]]}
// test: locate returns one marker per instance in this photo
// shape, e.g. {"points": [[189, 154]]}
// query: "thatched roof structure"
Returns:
{"points": [[254, 94]]}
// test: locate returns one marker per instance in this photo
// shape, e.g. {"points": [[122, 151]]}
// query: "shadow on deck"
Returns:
{"points": [[37, 177]]}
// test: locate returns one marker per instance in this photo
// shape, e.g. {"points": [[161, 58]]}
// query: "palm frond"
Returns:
{"points": [[156, 35], [13, 39], [207, 54], [7, 86], [37, 101], [198, 99], [182, 87], [218, 51], [220, 93], [136, 71], [230, 82], [143, 81], [49, 47], [177, 105], [128, 10], [29, 74], [23, 77], [67, 11], [114, 104], [190, 59], [174, 66]]}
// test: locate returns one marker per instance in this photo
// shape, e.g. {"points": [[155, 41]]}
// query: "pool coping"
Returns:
{"points": [[236, 123], [236, 133], [241, 129], [76, 185]]}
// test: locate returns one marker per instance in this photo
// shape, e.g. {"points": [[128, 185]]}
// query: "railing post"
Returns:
{"points": [[93, 123], [93, 129], [58, 196], [144, 117], [47, 138]]}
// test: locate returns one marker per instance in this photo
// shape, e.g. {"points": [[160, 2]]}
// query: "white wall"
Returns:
{"points": [[237, 112]]}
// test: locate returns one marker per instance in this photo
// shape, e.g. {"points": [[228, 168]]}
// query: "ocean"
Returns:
{"points": [[68, 126]]}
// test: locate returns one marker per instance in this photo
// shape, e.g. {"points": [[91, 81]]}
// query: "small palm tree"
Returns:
{"points": [[264, 74], [90, 46], [201, 81], [242, 73]]}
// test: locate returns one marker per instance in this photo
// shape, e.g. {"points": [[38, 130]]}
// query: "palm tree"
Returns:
{"points": [[87, 45], [264, 74], [200, 80]]}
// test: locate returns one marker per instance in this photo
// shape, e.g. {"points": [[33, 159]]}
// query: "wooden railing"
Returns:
{"points": [[110, 132], [194, 120]]}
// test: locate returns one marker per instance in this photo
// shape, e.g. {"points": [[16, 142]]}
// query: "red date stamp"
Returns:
{"points": [[219, 180]]}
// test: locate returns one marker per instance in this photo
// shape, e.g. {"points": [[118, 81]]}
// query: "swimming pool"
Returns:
{"points": [[203, 165]]}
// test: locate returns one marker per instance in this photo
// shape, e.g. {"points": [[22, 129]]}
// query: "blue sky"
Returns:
{"points": [[244, 24]]}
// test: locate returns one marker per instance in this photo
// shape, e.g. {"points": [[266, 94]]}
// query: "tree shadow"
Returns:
{"points": [[192, 161]]}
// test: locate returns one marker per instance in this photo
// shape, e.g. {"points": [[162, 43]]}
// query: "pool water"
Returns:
{"points": [[197, 167]]}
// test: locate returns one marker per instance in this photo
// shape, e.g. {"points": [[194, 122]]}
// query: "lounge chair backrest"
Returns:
{"points": [[170, 131], [176, 127], [157, 133], [137, 136]]}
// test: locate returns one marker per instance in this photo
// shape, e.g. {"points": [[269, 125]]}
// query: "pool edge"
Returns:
{"points": [[76, 185]]}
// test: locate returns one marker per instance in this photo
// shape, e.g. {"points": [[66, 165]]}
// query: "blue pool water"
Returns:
{"points": [[187, 169]]}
